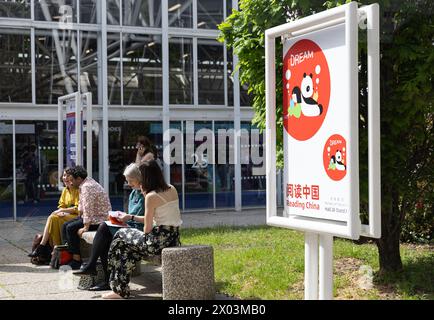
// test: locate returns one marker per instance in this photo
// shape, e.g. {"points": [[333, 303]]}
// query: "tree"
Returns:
{"points": [[407, 115]]}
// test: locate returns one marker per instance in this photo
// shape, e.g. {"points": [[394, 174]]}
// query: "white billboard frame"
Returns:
{"points": [[319, 233], [348, 14], [78, 101]]}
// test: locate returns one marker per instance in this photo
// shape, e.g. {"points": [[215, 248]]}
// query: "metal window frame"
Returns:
{"points": [[14, 170], [214, 198], [213, 113], [225, 61], [194, 15], [195, 74], [237, 127], [121, 65], [183, 165], [104, 84], [165, 84]]}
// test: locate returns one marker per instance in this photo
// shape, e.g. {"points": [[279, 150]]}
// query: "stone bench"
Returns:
{"points": [[187, 271], [86, 249]]}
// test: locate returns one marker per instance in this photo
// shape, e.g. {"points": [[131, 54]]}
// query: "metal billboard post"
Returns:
{"points": [[78, 130], [78, 109], [88, 103], [311, 263], [325, 291], [60, 154], [336, 30]]}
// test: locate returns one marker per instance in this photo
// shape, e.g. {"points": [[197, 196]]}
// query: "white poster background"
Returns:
{"points": [[304, 159]]}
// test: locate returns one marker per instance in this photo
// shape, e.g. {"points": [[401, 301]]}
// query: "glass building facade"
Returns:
{"points": [[151, 65]]}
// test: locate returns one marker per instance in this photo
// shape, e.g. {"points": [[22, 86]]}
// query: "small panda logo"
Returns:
{"points": [[339, 164], [336, 162], [306, 98]]}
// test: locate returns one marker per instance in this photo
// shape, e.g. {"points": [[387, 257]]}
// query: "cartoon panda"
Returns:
{"points": [[309, 107], [339, 164], [332, 164]]}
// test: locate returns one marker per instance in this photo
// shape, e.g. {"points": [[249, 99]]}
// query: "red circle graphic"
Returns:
{"points": [[335, 157], [306, 89]]}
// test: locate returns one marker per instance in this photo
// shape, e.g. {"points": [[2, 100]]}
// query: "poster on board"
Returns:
{"points": [[316, 118], [71, 148]]}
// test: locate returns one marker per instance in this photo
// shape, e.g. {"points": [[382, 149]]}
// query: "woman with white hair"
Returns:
{"points": [[104, 235], [161, 230]]}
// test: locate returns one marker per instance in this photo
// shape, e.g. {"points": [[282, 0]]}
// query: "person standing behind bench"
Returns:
{"points": [[93, 206], [104, 235], [161, 230], [145, 150]]}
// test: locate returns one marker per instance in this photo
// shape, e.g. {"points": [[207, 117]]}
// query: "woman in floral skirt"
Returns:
{"points": [[161, 230]]}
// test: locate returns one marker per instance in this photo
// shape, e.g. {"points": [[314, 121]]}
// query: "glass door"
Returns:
{"points": [[224, 167], [6, 170], [253, 184], [123, 137], [36, 168], [176, 168], [198, 169]]}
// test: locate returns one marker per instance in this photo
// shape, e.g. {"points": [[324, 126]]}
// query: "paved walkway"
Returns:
{"points": [[19, 279]]}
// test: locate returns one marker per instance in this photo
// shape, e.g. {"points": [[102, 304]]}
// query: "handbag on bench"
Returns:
{"points": [[60, 256]]}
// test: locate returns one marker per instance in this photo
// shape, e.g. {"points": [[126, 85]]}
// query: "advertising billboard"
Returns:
{"points": [[71, 147], [317, 126]]}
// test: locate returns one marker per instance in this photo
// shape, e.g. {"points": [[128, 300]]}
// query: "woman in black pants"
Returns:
{"points": [[104, 235], [161, 230]]}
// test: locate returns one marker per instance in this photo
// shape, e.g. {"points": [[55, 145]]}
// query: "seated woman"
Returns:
{"points": [[161, 230], [67, 210], [104, 235]]}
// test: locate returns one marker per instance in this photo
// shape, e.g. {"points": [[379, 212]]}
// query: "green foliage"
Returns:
{"points": [[418, 227], [244, 31], [407, 115]]}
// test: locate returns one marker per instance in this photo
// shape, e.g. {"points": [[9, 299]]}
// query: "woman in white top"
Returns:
{"points": [[161, 230]]}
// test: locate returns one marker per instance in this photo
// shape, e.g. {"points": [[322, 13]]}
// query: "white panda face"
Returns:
{"points": [[338, 156], [307, 86]]}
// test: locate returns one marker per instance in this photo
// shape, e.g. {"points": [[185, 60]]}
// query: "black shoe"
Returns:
{"points": [[41, 250], [34, 253], [85, 272], [102, 286], [75, 265]]}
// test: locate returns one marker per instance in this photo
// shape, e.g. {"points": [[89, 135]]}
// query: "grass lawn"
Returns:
{"points": [[268, 263]]}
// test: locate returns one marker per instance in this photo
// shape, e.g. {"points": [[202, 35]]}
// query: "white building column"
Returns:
{"points": [[165, 85], [103, 82], [14, 170], [237, 129], [100, 153]]}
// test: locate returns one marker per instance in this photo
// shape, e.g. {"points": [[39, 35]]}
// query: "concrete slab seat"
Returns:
{"points": [[86, 249], [187, 271]]}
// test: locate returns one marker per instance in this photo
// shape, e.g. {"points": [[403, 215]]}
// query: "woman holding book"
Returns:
{"points": [[104, 235], [161, 230]]}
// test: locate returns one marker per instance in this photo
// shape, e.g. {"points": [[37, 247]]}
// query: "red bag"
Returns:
{"points": [[60, 256]]}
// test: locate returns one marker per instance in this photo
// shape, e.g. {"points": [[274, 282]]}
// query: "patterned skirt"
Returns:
{"points": [[131, 245]]}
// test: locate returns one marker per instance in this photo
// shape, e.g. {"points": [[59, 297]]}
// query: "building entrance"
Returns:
{"points": [[6, 170], [36, 168]]}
